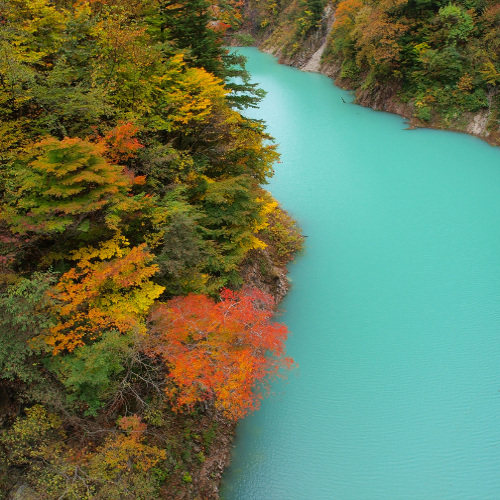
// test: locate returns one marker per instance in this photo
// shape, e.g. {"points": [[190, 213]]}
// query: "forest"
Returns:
{"points": [[131, 200]]}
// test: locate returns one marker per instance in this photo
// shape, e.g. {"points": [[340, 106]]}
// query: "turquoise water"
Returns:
{"points": [[395, 308]]}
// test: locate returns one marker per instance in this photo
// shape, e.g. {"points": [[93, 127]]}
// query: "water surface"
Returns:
{"points": [[395, 309]]}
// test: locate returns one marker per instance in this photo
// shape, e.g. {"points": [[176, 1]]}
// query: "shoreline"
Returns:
{"points": [[265, 269], [385, 99]]}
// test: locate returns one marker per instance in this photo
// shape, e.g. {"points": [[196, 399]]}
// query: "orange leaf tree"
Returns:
{"points": [[121, 143], [110, 287], [126, 451], [222, 351]]}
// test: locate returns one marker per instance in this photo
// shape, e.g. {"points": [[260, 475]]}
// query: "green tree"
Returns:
{"points": [[232, 213], [25, 315], [67, 181], [190, 24]]}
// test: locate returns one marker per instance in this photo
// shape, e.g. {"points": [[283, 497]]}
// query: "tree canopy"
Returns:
{"points": [[130, 196]]}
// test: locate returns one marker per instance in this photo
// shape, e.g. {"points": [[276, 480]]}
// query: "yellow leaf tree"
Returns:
{"points": [[110, 287]]}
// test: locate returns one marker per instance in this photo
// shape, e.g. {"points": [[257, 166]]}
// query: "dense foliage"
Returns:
{"points": [[441, 55], [130, 196]]}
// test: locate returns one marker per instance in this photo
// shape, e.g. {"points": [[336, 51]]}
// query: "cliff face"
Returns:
{"points": [[281, 32], [289, 33], [306, 53]]}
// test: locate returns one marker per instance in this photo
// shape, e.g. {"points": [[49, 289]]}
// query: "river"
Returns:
{"points": [[394, 311]]}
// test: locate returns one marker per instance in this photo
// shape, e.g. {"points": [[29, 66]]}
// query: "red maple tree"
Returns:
{"points": [[224, 351]]}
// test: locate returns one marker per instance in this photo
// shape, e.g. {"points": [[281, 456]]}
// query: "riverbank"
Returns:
{"points": [[213, 434], [312, 52], [201, 441], [142, 196]]}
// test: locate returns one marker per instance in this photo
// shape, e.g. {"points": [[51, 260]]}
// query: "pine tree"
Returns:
{"points": [[190, 23]]}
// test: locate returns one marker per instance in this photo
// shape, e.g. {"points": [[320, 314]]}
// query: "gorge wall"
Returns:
{"points": [[450, 80]]}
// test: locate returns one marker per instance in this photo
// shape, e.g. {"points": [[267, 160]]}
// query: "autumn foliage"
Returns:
{"points": [[126, 450], [439, 58], [219, 350], [128, 180], [109, 287], [121, 142], [67, 180]]}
